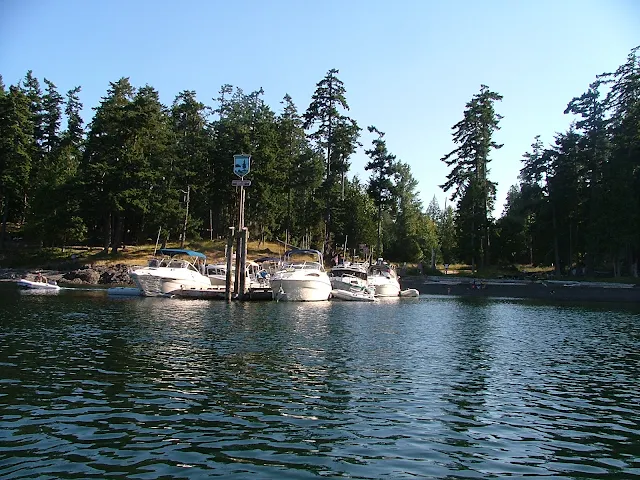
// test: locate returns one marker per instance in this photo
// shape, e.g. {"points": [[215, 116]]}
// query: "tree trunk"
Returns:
{"points": [[570, 259], [379, 245], [117, 234], [556, 248], [106, 243], [5, 215]]}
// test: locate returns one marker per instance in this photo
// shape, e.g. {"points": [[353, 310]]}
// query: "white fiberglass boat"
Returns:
{"points": [[347, 275], [356, 294], [38, 284], [217, 273], [255, 275], [384, 279], [172, 273], [302, 278]]}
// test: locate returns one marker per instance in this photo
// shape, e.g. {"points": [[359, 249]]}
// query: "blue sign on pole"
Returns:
{"points": [[241, 164]]}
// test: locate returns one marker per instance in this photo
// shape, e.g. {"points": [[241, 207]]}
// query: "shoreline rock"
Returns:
{"points": [[108, 275]]}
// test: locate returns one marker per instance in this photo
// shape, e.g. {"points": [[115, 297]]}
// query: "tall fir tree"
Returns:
{"points": [[16, 147], [469, 176], [104, 161], [336, 134], [381, 185]]}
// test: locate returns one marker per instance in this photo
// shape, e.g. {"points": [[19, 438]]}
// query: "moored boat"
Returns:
{"points": [[177, 269], [302, 278], [348, 275], [354, 294], [383, 277], [38, 284]]}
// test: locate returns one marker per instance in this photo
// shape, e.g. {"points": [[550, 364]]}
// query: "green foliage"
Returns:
{"points": [[17, 146], [381, 185], [469, 162], [337, 135], [577, 201]]}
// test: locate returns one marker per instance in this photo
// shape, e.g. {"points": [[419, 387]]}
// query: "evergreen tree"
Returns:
{"points": [[16, 147], [335, 134], [104, 163], [232, 133], [447, 235], [50, 175], [72, 139], [381, 185], [473, 136], [357, 218], [190, 170], [594, 143], [145, 164], [413, 234], [292, 145], [621, 178], [434, 214]]}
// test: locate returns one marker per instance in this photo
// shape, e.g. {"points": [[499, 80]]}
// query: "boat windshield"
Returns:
{"points": [[171, 262]]}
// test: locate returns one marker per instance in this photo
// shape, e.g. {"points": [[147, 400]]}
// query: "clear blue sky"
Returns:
{"points": [[409, 67]]}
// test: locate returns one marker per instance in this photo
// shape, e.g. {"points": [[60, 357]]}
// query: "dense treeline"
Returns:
{"points": [[577, 205], [127, 174]]}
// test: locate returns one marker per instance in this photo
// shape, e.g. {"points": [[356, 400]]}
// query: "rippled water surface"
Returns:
{"points": [[98, 387]]}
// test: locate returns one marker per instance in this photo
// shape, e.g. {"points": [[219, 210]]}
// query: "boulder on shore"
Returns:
{"points": [[105, 275]]}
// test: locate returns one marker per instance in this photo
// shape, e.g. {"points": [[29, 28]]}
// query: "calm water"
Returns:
{"points": [[98, 387]]}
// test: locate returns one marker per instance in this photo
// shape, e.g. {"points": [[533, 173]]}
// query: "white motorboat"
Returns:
{"points": [[356, 294], [170, 274], [384, 279], [347, 276], [38, 284], [302, 278], [217, 273], [255, 276]]}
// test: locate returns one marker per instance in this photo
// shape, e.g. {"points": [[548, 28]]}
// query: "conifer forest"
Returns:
{"points": [[125, 174]]}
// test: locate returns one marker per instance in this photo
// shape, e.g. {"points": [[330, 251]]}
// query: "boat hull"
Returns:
{"points": [[23, 283], [156, 285], [352, 296], [300, 290], [389, 289]]}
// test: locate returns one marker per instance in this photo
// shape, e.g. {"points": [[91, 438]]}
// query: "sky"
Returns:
{"points": [[408, 66]]}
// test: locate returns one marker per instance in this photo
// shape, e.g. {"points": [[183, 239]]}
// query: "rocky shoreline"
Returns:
{"points": [[106, 275], [554, 290]]}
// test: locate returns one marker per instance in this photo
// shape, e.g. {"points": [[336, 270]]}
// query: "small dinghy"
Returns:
{"points": [[410, 292], [38, 285], [353, 295]]}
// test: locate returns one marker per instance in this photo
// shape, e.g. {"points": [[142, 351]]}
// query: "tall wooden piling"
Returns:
{"points": [[242, 253], [229, 257]]}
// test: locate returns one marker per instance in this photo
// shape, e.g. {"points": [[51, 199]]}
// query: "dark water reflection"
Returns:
{"points": [[94, 387]]}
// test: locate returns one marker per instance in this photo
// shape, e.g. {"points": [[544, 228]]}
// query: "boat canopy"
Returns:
{"points": [[179, 251], [303, 252]]}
